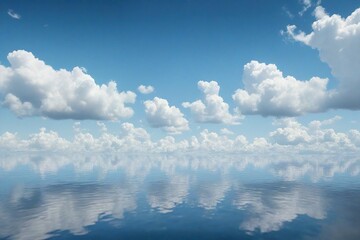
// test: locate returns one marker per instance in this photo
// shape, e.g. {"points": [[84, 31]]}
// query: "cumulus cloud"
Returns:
{"points": [[146, 89], [29, 87], [313, 137], [337, 40], [290, 136], [160, 115], [292, 133], [13, 14], [212, 109], [268, 93]]}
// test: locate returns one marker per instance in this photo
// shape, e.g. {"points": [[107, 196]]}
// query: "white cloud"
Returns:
{"points": [[13, 14], [267, 92], [212, 109], [306, 5], [30, 87], [292, 133], [290, 136], [318, 124], [47, 140], [102, 126], [146, 89], [160, 115], [313, 138], [338, 41]]}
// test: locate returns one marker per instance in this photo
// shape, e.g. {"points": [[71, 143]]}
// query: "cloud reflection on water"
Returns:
{"points": [[33, 212]]}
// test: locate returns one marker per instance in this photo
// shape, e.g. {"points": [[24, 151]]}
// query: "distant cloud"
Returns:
{"points": [[29, 87], [293, 133], [160, 115], [13, 14], [306, 5], [212, 109], [290, 136], [145, 89]]}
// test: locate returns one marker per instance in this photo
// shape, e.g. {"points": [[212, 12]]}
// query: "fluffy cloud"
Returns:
{"points": [[146, 89], [160, 115], [212, 109], [268, 93], [338, 41], [30, 87], [290, 136], [314, 137], [292, 133]]}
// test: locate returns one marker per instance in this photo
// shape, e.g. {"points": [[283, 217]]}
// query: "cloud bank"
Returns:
{"points": [[290, 136], [268, 93], [146, 89]]}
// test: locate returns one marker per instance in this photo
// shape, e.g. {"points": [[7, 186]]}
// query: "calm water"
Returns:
{"points": [[179, 197]]}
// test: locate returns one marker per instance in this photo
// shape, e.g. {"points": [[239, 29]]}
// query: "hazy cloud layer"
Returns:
{"points": [[146, 89], [13, 14], [268, 93], [288, 136]]}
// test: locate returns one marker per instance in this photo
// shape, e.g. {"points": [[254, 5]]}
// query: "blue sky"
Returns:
{"points": [[171, 45]]}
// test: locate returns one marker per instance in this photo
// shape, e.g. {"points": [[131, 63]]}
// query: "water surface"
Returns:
{"points": [[93, 196]]}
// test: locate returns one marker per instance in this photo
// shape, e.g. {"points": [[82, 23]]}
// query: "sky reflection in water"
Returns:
{"points": [[178, 196]]}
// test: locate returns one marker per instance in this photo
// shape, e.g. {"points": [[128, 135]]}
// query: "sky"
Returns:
{"points": [[180, 75]]}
